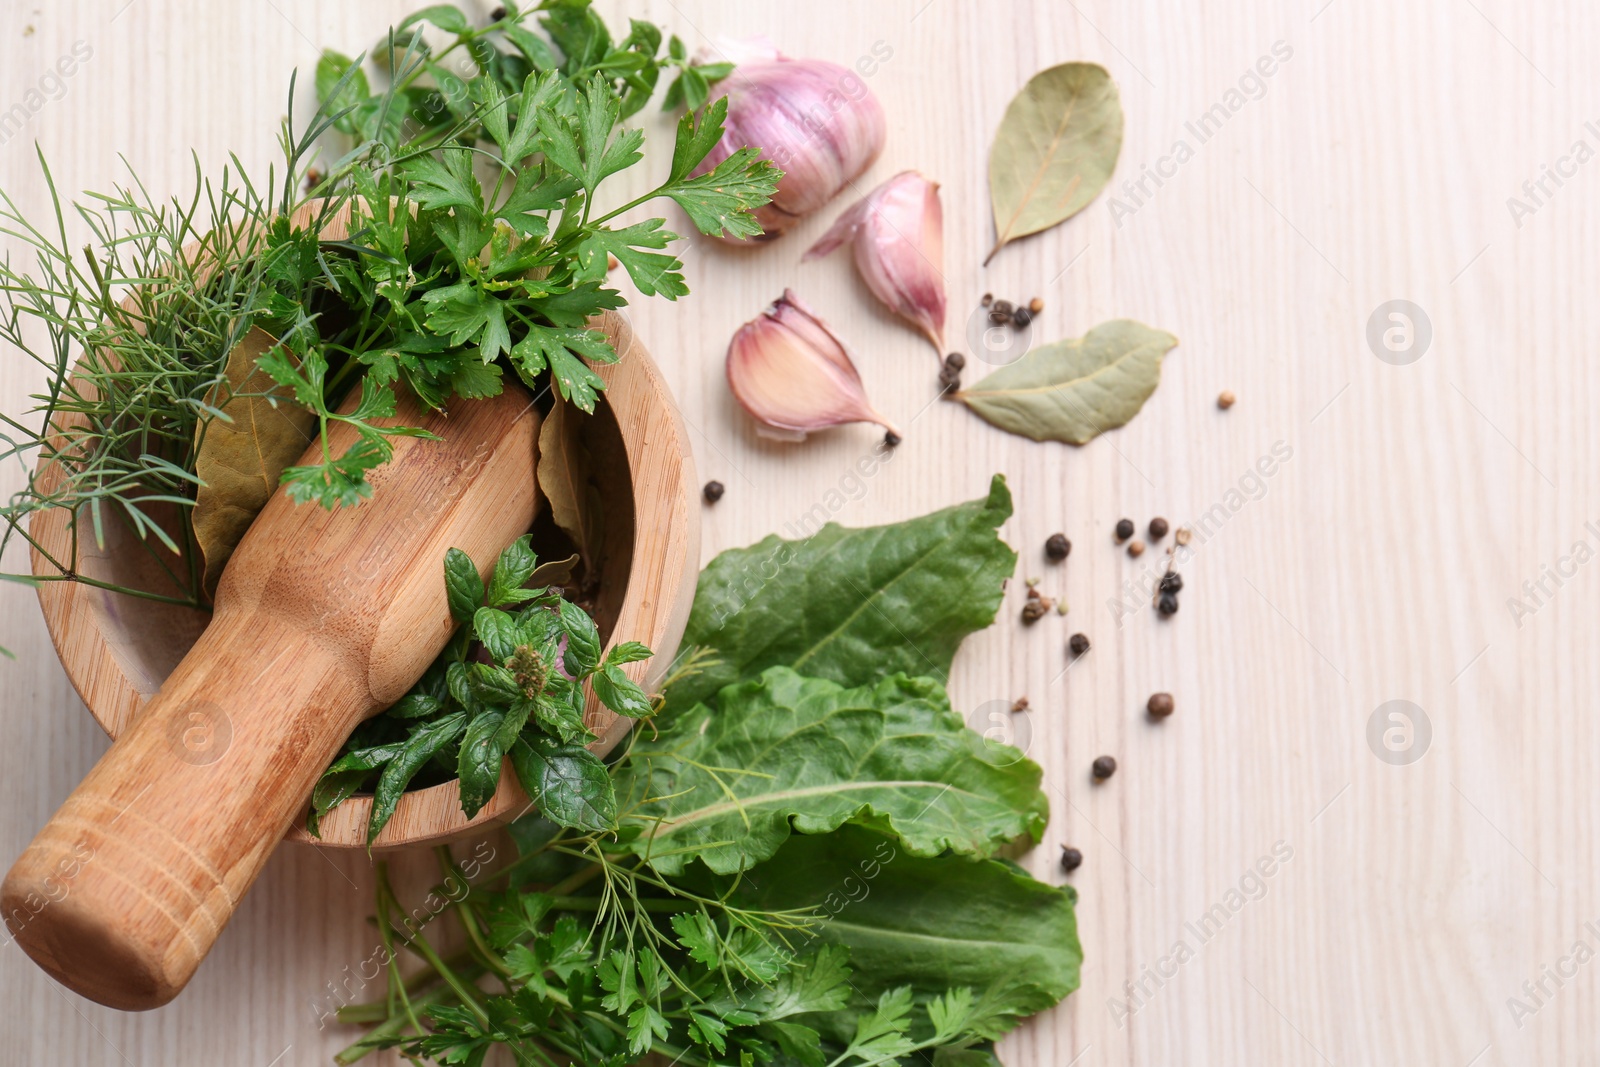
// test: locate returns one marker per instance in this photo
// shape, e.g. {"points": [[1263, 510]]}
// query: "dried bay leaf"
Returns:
{"points": [[1074, 390], [564, 474], [1054, 151], [239, 462]]}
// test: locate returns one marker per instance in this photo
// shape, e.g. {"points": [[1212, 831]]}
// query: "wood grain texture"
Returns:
{"points": [[322, 619], [1374, 564]]}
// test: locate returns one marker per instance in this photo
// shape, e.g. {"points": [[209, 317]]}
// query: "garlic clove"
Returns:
{"points": [[817, 121], [791, 372], [897, 231]]}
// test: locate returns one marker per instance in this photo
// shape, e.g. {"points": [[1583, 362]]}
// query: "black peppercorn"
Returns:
{"points": [[891, 438], [497, 14], [1168, 604], [1171, 582], [1124, 529], [1071, 859], [988, 298], [1021, 317], [1159, 705], [1002, 307], [714, 491], [998, 317], [949, 380], [955, 361], [1104, 767], [1158, 528], [1079, 643], [1057, 547]]}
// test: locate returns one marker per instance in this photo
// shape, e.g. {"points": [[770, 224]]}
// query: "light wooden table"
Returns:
{"points": [[1375, 564]]}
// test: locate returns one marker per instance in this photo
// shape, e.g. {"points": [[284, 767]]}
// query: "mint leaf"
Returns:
{"points": [[478, 765], [568, 782], [462, 585]]}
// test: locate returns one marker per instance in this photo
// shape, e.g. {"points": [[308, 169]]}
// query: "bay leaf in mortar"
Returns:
{"points": [[239, 462], [1074, 390], [564, 475], [1054, 151]]}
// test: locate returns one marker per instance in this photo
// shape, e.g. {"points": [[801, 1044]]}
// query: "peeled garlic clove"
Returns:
{"points": [[793, 374], [817, 121], [898, 234]]}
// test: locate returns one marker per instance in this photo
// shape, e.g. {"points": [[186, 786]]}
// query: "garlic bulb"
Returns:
{"points": [[898, 233], [816, 120], [793, 374]]}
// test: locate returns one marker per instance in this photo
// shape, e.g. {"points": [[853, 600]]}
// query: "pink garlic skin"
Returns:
{"points": [[817, 121], [898, 235], [791, 372]]}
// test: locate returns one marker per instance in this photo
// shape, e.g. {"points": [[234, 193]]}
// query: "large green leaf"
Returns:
{"points": [[786, 753], [851, 605], [931, 923], [1074, 390]]}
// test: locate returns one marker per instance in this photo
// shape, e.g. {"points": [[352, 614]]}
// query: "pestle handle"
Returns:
{"points": [[322, 619]]}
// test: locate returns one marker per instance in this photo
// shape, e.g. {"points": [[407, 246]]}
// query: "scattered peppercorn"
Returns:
{"points": [[1020, 704], [1124, 529], [1135, 549], [1036, 305], [1057, 547], [1078, 643], [955, 361], [1158, 528], [891, 439], [497, 14], [1071, 859], [1002, 307], [1021, 317], [1159, 705], [988, 298], [998, 317], [714, 491], [1104, 767], [1168, 604], [949, 380], [1225, 399], [313, 179], [1182, 536], [1034, 609], [1171, 582]]}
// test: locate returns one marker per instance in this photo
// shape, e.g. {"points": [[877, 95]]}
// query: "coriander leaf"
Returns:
{"points": [[695, 140], [426, 740], [478, 764], [568, 782], [653, 272], [447, 183], [336, 482], [474, 379], [788, 754], [553, 347], [884, 1033], [463, 585], [721, 201], [851, 605], [535, 192]]}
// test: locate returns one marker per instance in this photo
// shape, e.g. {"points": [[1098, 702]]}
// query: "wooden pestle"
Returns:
{"points": [[322, 619]]}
